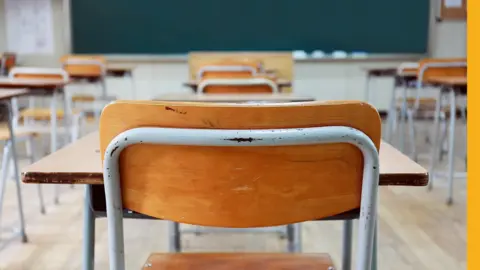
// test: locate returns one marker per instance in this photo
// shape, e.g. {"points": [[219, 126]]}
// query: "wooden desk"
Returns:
{"points": [[80, 163], [405, 78], [41, 86], [5, 96], [454, 86], [280, 83], [113, 70], [248, 98]]}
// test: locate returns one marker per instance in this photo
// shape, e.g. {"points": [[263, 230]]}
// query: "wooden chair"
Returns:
{"points": [[448, 67], [279, 64], [87, 69], [445, 68], [406, 73], [412, 76], [252, 85], [229, 69], [34, 118], [231, 165]]}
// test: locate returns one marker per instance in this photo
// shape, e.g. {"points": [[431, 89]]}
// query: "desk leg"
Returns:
{"points": [[403, 119], [68, 117], [347, 244], [392, 114], [451, 145], [16, 172], [367, 89], [53, 136], [132, 81], [103, 83], [88, 231]]}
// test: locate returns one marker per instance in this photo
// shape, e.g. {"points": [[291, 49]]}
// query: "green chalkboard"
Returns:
{"points": [[180, 26]]}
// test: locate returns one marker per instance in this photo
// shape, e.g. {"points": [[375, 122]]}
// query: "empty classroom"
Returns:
{"points": [[233, 135]]}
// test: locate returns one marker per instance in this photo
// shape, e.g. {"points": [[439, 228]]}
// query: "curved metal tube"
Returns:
{"points": [[245, 82], [267, 137]]}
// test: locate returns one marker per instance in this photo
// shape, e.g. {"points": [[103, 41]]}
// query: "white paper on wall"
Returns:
{"points": [[453, 3], [29, 26]]}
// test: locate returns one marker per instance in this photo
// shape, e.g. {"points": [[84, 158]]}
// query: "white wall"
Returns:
{"points": [[42, 60], [324, 80]]}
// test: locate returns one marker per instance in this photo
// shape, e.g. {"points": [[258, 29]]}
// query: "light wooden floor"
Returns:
{"points": [[417, 230]]}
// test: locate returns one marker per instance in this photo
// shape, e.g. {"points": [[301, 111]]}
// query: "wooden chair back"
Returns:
{"points": [[239, 186], [36, 73], [246, 69], [239, 85], [426, 70], [279, 63], [92, 66]]}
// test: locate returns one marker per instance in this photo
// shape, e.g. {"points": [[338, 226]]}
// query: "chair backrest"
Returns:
{"points": [[230, 68], [34, 73], [38, 73], [407, 68], [241, 186], [444, 67], [216, 71], [281, 62], [237, 86], [84, 65]]}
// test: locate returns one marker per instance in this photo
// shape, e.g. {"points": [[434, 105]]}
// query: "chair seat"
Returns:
{"points": [[83, 98], [250, 261], [44, 113], [5, 133]]}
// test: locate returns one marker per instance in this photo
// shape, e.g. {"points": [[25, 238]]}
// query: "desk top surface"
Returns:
{"points": [[80, 163], [11, 93], [390, 72], [280, 83], [120, 67], [192, 97], [451, 81], [32, 83]]}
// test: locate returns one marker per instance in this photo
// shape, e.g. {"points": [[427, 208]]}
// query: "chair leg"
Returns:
{"points": [[464, 119], [4, 179], [53, 138], [435, 142], [174, 237], [16, 172], [294, 238], [411, 133], [392, 116], [375, 248], [76, 126], [451, 150], [30, 149], [347, 245], [443, 139], [89, 232]]}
